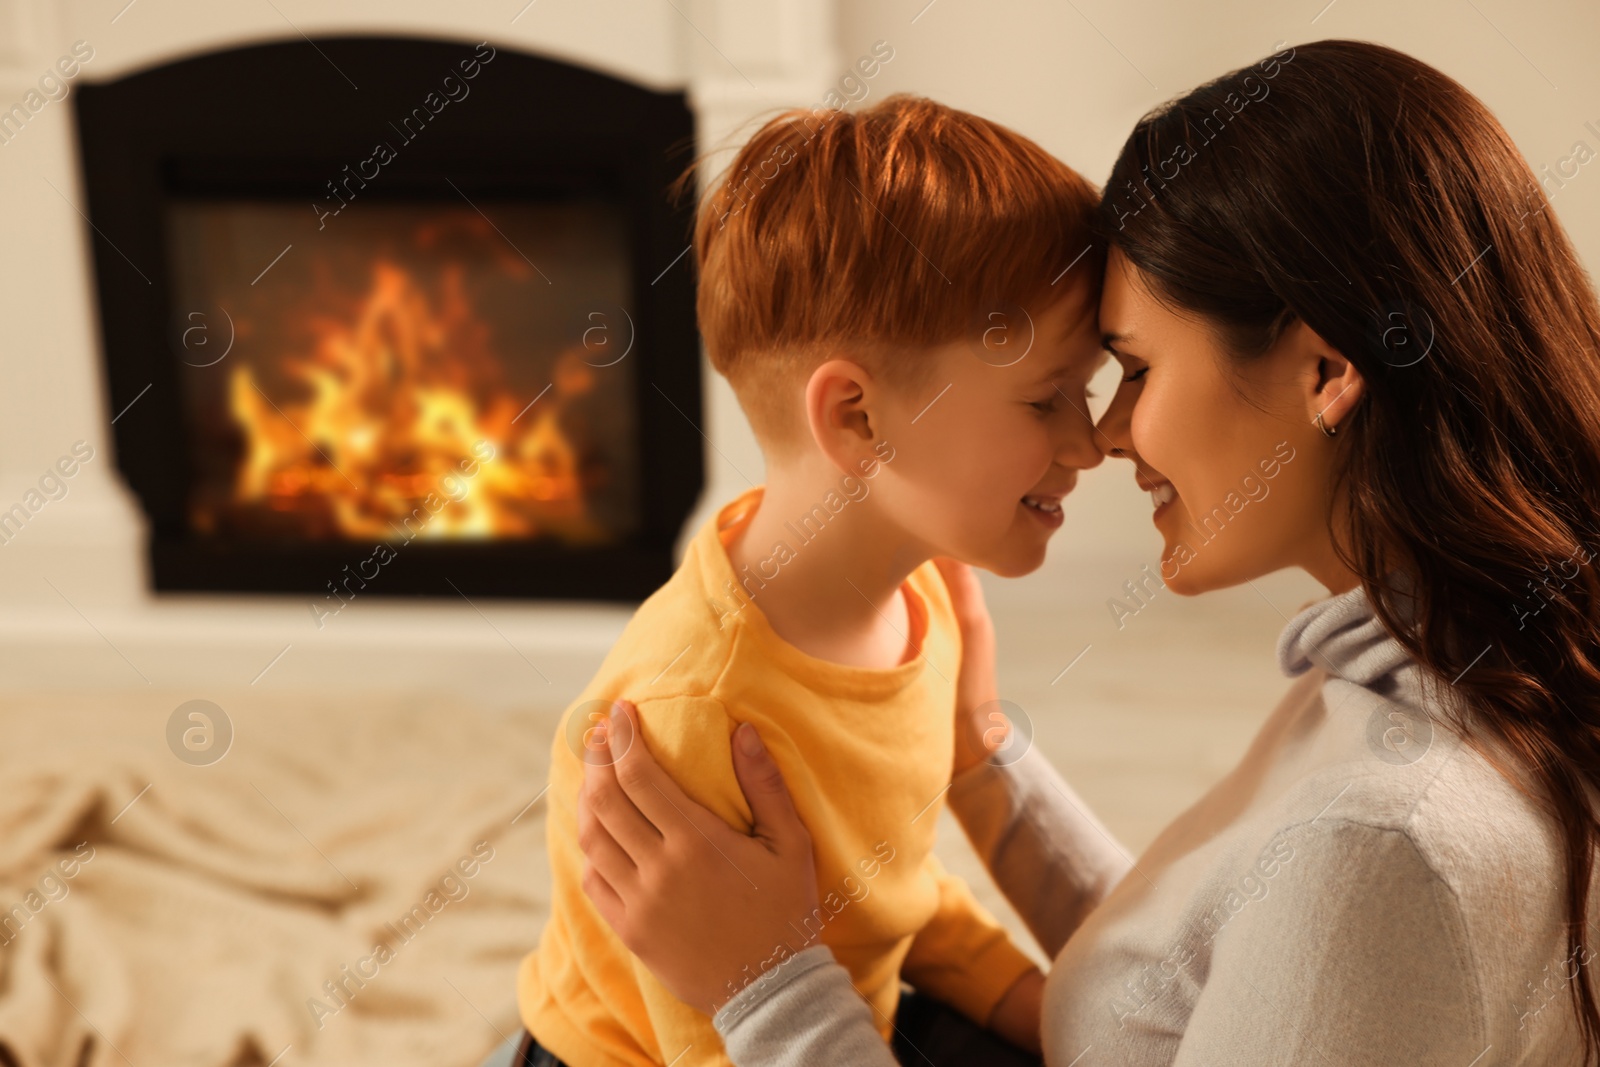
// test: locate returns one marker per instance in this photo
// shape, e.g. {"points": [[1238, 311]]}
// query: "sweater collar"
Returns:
{"points": [[1343, 636]]}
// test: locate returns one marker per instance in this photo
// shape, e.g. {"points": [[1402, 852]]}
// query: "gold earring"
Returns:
{"points": [[1323, 427]]}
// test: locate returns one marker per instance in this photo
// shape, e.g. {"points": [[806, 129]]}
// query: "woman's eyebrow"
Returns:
{"points": [[1110, 341], [1068, 363]]}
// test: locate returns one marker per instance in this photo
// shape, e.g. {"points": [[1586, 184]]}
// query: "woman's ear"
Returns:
{"points": [[840, 396], [1335, 386]]}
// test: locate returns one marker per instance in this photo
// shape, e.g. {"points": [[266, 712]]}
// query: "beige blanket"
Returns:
{"points": [[353, 883]]}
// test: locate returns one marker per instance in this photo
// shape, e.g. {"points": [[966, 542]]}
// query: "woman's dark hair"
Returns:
{"points": [[1364, 193]]}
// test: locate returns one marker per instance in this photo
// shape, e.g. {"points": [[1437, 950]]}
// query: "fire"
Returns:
{"points": [[390, 402]]}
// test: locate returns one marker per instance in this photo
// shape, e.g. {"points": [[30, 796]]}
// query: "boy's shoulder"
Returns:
{"points": [[681, 638]]}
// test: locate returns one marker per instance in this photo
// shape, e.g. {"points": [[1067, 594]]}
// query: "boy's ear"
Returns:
{"points": [[840, 401]]}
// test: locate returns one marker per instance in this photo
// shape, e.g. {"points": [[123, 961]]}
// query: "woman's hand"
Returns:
{"points": [[702, 905], [981, 728]]}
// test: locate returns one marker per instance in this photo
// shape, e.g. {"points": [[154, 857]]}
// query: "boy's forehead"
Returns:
{"points": [[1059, 337], [1076, 343], [1078, 308]]}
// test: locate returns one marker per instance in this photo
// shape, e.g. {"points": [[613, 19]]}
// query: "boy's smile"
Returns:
{"points": [[1046, 507]]}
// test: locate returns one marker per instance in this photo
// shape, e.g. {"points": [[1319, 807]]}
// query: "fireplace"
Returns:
{"points": [[409, 318]]}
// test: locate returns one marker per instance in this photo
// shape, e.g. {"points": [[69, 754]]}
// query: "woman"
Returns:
{"points": [[1355, 341]]}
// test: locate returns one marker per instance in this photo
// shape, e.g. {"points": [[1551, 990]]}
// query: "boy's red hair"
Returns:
{"points": [[878, 232]]}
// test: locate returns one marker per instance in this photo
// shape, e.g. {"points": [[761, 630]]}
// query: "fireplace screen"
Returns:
{"points": [[411, 370]]}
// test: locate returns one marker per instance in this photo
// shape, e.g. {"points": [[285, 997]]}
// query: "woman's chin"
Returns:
{"points": [[1185, 579], [1184, 587], [1201, 575]]}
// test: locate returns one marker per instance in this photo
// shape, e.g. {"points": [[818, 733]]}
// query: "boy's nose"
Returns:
{"points": [[1080, 447]]}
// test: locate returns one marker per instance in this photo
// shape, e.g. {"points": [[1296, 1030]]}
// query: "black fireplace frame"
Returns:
{"points": [[278, 121]]}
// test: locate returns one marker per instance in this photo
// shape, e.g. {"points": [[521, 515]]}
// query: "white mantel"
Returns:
{"points": [[75, 604]]}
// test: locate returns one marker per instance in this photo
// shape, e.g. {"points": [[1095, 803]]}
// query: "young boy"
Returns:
{"points": [[903, 298]]}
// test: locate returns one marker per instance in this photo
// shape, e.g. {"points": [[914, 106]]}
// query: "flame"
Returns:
{"points": [[393, 400]]}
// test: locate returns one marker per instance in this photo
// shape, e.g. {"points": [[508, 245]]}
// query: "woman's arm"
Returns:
{"points": [[1050, 856], [804, 1011], [708, 909]]}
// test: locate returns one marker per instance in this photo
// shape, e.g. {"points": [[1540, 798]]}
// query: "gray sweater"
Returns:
{"points": [[1363, 888]]}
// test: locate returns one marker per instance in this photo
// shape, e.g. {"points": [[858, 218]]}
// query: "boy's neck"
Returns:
{"points": [[836, 593]]}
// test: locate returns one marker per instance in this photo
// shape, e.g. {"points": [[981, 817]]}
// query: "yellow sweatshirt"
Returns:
{"points": [[867, 755]]}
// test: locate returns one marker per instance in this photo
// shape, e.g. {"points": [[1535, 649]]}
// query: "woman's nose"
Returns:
{"points": [[1113, 432]]}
